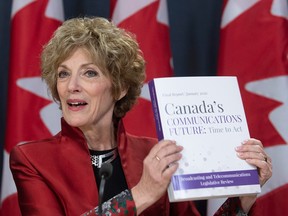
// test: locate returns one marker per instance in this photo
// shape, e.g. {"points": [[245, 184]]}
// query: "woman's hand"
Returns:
{"points": [[253, 152], [158, 168]]}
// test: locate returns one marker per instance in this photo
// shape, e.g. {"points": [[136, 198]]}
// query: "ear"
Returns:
{"points": [[122, 94]]}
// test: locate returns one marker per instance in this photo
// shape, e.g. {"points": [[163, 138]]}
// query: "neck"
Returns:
{"points": [[101, 146], [101, 139]]}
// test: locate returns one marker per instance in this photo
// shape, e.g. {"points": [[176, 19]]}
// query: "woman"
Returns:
{"points": [[95, 71]]}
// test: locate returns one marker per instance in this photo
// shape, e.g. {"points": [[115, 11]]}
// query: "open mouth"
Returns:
{"points": [[76, 104]]}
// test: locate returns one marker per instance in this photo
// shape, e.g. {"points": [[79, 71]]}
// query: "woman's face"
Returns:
{"points": [[84, 91]]}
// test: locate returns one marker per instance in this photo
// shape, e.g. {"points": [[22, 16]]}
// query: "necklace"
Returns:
{"points": [[98, 160]]}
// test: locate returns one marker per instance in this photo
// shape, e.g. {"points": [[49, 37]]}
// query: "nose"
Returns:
{"points": [[74, 84]]}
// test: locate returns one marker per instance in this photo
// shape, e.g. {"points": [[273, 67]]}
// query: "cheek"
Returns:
{"points": [[60, 94], [60, 89], [103, 98], [103, 90]]}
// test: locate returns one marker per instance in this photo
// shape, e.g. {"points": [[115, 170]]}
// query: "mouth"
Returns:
{"points": [[76, 103]]}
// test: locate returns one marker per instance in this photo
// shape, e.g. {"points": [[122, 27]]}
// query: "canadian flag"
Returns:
{"points": [[254, 47], [148, 20], [31, 112]]}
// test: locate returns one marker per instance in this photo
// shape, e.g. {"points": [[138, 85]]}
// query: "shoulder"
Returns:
{"points": [[35, 147]]}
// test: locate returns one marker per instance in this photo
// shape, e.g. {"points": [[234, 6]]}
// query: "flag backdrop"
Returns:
{"points": [[254, 47], [148, 20], [30, 111]]}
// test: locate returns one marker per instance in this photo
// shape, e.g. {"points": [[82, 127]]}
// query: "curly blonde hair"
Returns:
{"points": [[115, 51]]}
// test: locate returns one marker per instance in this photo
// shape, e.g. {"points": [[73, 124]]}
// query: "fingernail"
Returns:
{"points": [[239, 154], [244, 141]]}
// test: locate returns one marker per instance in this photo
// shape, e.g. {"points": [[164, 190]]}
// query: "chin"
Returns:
{"points": [[75, 122]]}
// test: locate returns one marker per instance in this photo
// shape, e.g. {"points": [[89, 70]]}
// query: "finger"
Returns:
{"points": [[169, 160], [160, 145], [253, 155], [268, 159], [252, 148], [170, 170], [253, 141], [167, 157], [167, 150], [160, 156], [251, 145]]}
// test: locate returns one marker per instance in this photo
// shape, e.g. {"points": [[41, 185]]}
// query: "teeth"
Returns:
{"points": [[76, 104]]}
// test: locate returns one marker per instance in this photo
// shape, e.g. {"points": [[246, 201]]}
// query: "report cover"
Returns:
{"points": [[206, 116]]}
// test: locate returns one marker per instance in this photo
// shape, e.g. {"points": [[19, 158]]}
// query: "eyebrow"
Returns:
{"points": [[83, 65]]}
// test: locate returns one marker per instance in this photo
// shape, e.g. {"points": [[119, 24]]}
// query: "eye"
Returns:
{"points": [[91, 73], [63, 74]]}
